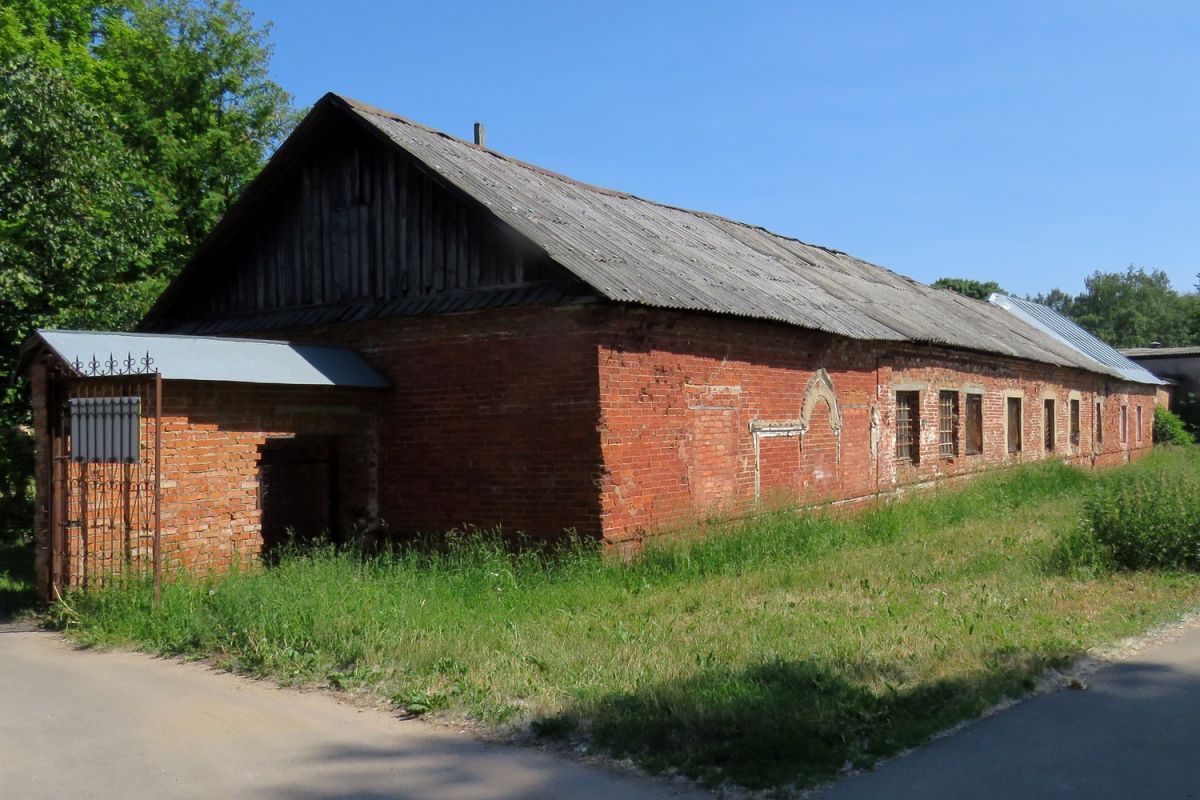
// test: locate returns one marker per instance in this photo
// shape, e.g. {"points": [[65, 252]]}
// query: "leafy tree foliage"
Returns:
{"points": [[184, 85], [77, 237], [1131, 308], [980, 290], [126, 129]]}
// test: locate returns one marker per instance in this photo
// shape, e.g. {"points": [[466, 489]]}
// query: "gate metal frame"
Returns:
{"points": [[111, 508]]}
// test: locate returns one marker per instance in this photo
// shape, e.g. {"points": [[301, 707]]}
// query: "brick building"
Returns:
{"points": [[464, 338]]}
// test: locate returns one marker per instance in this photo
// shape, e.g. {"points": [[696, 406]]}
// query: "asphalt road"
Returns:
{"points": [[1133, 733], [82, 724]]}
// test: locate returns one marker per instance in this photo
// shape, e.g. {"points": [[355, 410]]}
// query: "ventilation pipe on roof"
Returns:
{"points": [[479, 134]]}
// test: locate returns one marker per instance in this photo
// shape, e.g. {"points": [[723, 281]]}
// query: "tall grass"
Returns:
{"points": [[770, 651]]}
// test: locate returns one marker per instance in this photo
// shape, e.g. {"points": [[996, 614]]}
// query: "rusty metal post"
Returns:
{"points": [[157, 487]]}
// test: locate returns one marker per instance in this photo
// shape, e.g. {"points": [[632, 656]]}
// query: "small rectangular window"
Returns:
{"points": [[948, 424], [1014, 424], [1139, 424], [1099, 422], [1049, 429], [908, 427], [1075, 423], [974, 424], [1124, 424]]}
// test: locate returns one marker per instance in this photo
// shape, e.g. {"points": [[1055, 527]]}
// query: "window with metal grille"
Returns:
{"points": [[105, 429], [1014, 424], [1139, 424], [1075, 423], [974, 424], [908, 426], [1049, 428], [1099, 423], [948, 424], [1124, 424]]}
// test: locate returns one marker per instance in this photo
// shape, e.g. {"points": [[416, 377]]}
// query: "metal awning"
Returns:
{"points": [[206, 358]]}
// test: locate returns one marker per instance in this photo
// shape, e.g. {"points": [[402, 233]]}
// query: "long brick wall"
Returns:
{"points": [[614, 421], [702, 416]]}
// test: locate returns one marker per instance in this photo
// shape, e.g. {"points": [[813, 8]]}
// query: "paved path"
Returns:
{"points": [[81, 724], [1135, 732]]}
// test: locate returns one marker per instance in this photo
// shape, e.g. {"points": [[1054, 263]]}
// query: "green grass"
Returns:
{"points": [[16, 579], [769, 653]]}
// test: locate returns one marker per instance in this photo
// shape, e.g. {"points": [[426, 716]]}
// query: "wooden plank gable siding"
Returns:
{"points": [[358, 222]]}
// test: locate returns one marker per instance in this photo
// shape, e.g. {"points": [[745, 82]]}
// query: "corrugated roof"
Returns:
{"points": [[1159, 352], [204, 358], [1069, 333], [633, 250]]}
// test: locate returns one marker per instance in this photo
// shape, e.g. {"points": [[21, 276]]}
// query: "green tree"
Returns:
{"points": [[1056, 299], [78, 234], [968, 287], [184, 85], [1134, 308]]}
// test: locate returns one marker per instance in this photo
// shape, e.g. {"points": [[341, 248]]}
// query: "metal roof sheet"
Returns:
{"points": [[205, 358], [633, 250], [1069, 333]]}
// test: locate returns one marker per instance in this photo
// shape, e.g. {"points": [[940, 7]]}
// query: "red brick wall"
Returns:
{"points": [[703, 414], [613, 421], [213, 440], [491, 419]]}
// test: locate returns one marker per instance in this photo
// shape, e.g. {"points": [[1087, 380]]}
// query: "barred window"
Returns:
{"points": [[1139, 424], [974, 424], [1049, 428], [908, 427], [1075, 423], [1014, 424], [948, 424], [1124, 424]]}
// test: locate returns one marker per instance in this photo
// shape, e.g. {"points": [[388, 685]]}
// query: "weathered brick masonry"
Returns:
{"points": [[613, 421], [707, 415]]}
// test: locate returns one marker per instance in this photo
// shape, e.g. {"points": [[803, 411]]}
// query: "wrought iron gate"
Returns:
{"points": [[105, 492]]}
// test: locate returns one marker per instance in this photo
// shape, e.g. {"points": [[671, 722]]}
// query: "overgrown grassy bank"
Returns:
{"points": [[770, 653]]}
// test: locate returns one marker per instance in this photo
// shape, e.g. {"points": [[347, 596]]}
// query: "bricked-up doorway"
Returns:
{"points": [[298, 491]]}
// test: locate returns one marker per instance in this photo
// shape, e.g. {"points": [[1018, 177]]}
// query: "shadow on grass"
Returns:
{"points": [[17, 596], [786, 722]]}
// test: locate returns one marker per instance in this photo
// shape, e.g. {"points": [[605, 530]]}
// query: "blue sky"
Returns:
{"points": [[1028, 143]]}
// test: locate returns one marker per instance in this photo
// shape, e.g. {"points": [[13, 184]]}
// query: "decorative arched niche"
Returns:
{"points": [[820, 389]]}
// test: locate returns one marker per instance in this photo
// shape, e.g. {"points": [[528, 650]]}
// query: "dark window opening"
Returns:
{"points": [[948, 424], [1124, 424], [1049, 429], [1139, 424], [1014, 424], [1075, 423], [908, 427], [974, 424], [298, 486], [1099, 423]]}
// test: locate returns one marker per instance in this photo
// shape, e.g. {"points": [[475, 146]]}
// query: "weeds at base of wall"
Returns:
{"points": [[771, 653]]}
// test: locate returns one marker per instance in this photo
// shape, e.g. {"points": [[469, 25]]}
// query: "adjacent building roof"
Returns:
{"points": [[203, 358], [1160, 352], [1106, 357]]}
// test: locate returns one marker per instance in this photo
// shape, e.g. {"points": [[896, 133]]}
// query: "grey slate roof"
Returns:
{"points": [[633, 250], [1160, 352], [200, 358], [1069, 333]]}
